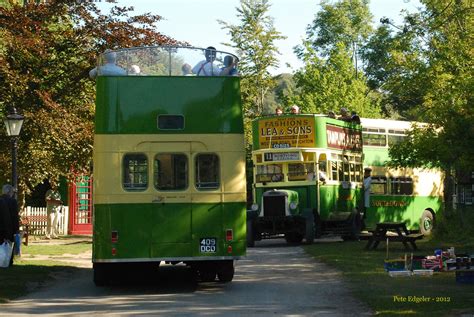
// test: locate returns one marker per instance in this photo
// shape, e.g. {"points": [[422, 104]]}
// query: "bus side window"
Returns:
{"points": [[171, 171], [378, 185], [333, 170], [135, 172], [207, 171], [401, 186]]}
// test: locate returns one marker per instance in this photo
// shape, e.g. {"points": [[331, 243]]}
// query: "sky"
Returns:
{"points": [[195, 21]]}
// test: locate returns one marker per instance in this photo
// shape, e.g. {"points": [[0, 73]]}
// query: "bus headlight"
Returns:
{"points": [[293, 205], [254, 207]]}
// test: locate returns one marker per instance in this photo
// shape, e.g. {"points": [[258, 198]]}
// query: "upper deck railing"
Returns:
{"points": [[166, 61]]}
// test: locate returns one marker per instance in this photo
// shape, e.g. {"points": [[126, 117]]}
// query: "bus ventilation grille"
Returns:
{"points": [[274, 206]]}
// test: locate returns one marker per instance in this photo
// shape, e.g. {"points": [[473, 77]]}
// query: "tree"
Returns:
{"points": [[445, 28], [46, 52], [254, 39], [329, 84], [346, 21]]}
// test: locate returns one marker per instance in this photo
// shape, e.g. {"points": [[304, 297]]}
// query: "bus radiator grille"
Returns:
{"points": [[274, 206]]}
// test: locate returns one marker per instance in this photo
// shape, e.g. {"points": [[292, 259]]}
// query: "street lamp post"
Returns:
{"points": [[13, 123]]}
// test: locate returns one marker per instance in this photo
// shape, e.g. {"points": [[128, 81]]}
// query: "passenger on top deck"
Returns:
{"points": [[344, 115], [355, 117], [109, 68], [208, 66], [187, 70], [295, 109], [230, 67]]}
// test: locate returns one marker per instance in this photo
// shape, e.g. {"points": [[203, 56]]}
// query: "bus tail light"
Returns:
{"points": [[229, 249], [229, 235], [114, 251], [114, 236]]}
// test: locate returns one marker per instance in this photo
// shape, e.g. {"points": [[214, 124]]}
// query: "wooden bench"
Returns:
{"points": [[392, 231], [33, 225]]}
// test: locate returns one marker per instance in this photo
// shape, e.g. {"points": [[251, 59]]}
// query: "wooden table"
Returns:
{"points": [[401, 235]]}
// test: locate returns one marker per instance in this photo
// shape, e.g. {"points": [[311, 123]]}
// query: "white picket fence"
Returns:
{"points": [[37, 219]]}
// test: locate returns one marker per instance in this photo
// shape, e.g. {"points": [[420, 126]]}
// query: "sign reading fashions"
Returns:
{"points": [[286, 132], [343, 138]]}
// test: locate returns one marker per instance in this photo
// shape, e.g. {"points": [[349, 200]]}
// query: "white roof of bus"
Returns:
{"points": [[386, 124]]}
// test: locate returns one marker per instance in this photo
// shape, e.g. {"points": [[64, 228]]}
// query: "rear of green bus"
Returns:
{"points": [[169, 166]]}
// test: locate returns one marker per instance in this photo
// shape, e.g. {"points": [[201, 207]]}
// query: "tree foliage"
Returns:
{"points": [[441, 34], [46, 52], [327, 84], [254, 39], [346, 21]]}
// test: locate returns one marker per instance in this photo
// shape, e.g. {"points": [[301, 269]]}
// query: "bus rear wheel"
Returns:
{"points": [[426, 223], [101, 274], [226, 271], [293, 237]]}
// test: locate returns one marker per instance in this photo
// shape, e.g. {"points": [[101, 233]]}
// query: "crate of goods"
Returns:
{"points": [[465, 276], [394, 265]]}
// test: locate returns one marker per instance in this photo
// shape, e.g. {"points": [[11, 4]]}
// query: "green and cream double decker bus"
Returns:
{"points": [[169, 164], [307, 178], [410, 195]]}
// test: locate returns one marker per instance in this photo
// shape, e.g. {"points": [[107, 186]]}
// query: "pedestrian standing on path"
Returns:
{"points": [[53, 205], [9, 220]]}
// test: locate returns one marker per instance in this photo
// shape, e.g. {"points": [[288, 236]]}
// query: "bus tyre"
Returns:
{"points": [[207, 274], [250, 234], [101, 274], [226, 271], [426, 223], [293, 237], [309, 232]]}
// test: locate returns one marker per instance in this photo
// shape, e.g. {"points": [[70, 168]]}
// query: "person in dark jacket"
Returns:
{"points": [[10, 219]]}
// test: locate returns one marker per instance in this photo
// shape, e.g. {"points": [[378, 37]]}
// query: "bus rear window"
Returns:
{"points": [[207, 171], [171, 171], [170, 122], [135, 172]]}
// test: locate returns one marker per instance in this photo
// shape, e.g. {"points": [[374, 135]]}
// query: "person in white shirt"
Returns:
{"points": [[207, 67], [367, 183], [109, 68]]}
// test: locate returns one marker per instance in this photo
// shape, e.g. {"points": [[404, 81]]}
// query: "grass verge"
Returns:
{"points": [[26, 276], [438, 295], [73, 247]]}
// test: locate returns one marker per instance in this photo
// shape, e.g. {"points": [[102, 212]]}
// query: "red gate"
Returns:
{"points": [[80, 205]]}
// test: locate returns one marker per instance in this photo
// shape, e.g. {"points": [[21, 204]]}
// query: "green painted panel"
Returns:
{"points": [[408, 209], [170, 230], [131, 104]]}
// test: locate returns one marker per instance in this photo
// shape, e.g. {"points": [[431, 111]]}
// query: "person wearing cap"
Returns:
{"points": [[367, 183], [208, 66], [295, 109], [344, 114]]}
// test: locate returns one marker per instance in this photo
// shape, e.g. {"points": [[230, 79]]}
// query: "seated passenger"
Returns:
{"points": [[186, 69], [208, 66], [134, 70], [229, 68], [109, 68], [295, 109], [278, 111], [344, 115], [355, 117]]}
